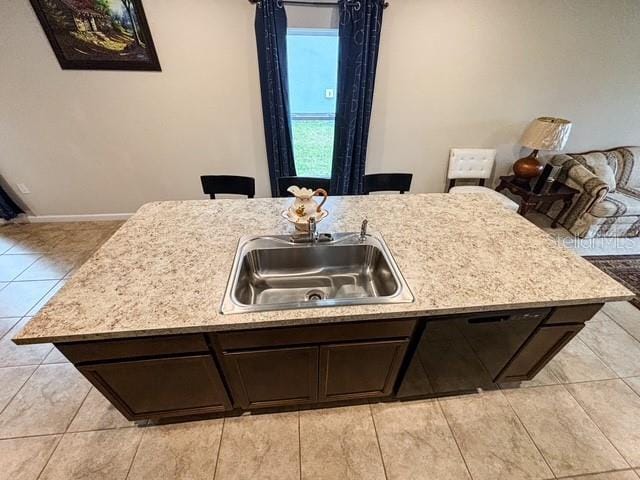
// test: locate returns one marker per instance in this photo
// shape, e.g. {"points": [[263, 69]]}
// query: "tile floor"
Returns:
{"points": [[580, 418]]}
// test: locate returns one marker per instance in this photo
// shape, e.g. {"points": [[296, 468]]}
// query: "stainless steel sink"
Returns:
{"points": [[274, 273]]}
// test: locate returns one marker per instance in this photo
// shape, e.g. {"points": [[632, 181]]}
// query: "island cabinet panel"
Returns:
{"points": [[574, 314], [311, 364], [153, 377], [313, 334], [360, 370], [273, 377], [161, 387], [547, 340], [539, 349], [128, 348]]}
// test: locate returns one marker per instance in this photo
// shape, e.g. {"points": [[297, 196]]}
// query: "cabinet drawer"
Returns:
{"points": [[167, 387], [133, 348], [315, 334], [541, 347], [577, 314]]}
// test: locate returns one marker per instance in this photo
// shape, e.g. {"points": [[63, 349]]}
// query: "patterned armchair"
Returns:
{"points": [[609, 184]]}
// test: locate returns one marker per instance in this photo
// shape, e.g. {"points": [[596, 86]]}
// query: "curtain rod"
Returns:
{"points": [[311, 3]]}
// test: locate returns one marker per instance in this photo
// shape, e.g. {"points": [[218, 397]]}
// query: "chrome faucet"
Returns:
{"points": [[313, 232], [313, 237], [363, 230]]}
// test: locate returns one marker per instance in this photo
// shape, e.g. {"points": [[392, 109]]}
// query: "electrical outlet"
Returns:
{"points": [[329, 93], [23, 189]]}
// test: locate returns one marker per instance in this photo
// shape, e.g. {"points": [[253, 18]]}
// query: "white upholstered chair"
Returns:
{"points": [[474, 164]]}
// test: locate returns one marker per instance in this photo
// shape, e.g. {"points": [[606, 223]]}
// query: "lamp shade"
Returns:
{"points": [[546, 133]]}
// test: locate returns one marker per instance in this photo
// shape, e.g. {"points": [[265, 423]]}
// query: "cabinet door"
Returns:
{"points": [[360, 370], [539, 349], [277, 377], [155, 388]]}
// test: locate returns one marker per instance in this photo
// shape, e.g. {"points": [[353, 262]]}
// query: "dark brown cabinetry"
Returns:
{"points": [[359, 370], [161, 387], [156, 377], [299, 365], [275, 377], [547, 340], [175, 376], [537, 351]]}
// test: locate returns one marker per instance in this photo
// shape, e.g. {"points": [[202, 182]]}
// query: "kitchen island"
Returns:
{"points": [[141, 319]]}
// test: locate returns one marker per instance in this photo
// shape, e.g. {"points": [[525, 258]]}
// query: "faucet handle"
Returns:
{"points": [[312, 229], [363, 229]]}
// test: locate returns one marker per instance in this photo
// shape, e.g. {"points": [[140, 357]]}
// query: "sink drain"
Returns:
{"points": [[314, 295]]}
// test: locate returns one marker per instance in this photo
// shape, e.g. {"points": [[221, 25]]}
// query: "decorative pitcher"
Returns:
{"points": [[305, 207]]}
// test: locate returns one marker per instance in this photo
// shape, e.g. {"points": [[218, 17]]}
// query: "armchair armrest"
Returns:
{"points": [[575, 175]]}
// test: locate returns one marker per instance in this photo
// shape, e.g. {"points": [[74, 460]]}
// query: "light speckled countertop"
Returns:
{"points": [[165, 271]]}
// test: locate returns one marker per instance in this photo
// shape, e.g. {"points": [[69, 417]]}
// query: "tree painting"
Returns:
{"points": [[98, 34], [128, 5]]}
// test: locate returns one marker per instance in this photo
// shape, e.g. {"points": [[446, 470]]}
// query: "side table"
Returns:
{"points": [[531, 199]]}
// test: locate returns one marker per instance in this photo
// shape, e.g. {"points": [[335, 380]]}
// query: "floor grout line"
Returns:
{"points": [[453, 435], [587, 475], [97, 430], [506, 397], [17, 392], [56, 279], [28, 266], [624, 380], [375, 429], [135, 454], [610, 317], [215, 470], [50, 456], [597, 426], [299, 446], [28, 312], [602, 359], [78, 410], [7, 333]]}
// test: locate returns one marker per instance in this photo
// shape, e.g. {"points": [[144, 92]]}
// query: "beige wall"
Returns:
{"points": [[453, 73]]}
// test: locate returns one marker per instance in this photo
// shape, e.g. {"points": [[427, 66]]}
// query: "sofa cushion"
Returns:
{"points": [[602, 165], [628, 174], [616, 204]]}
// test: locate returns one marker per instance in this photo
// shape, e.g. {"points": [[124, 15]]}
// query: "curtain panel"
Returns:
{"points": [[8, 208], [271, 39], [359, 30]]}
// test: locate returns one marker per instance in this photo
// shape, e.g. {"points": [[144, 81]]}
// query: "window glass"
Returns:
{"points": [[312, 49]]}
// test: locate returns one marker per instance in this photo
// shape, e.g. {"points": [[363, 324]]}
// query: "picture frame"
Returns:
{"points": [[98, 34]]}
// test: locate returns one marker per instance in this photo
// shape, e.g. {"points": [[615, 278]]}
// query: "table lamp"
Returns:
{"points": [[544, 133]]}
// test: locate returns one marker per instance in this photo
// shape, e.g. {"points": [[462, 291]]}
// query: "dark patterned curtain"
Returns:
{"points": [[8, 208], [360, 26], [271, 37]]}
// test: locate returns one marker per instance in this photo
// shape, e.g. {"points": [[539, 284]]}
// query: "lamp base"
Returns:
{"points": [[527, 168]]}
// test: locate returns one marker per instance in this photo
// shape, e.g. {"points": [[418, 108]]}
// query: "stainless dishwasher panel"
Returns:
{"points": [[464, 353]]}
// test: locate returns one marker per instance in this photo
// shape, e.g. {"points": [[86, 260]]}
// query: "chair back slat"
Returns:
{"points": [[387, 182], [229, 184]]}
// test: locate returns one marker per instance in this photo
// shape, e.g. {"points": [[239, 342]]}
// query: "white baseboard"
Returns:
{"points": [[98, 217]]}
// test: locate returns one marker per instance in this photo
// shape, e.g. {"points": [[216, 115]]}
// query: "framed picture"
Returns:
{"points": [[98, 34]]}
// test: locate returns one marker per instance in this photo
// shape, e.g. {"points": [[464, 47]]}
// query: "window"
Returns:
{"points": [[312, 49]]}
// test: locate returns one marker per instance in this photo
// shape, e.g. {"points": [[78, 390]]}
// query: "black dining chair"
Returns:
{"points": [[233, 184], [387, 182], [313, 183]]}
